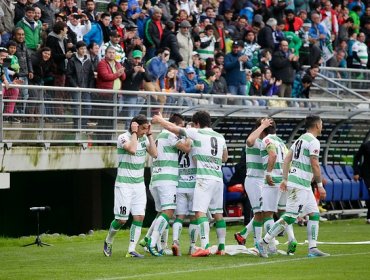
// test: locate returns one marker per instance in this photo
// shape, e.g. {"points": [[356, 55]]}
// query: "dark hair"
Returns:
{"points": [[80, 44], [87, 1], [139, 119], [208, 27], [210, 73], [111, 5], [11, 43], [29, 8], [311, 121], [306, 79], [104, 15], [256, 74], [203, 118], [117, 14], [59, 26], [45, 49], [91, 45], [170, 25], [162, 50], [349, 20], [176, 119], [272, 128]]}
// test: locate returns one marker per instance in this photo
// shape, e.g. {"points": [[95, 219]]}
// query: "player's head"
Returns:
{"points": [[271, 129], [313, 124], [201, 119], [177, 119], [143, 123]]}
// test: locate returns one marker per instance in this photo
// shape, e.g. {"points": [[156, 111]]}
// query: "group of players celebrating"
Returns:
{"points": [[187, 180]]}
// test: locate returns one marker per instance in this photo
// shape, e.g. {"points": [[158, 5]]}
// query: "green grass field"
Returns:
{"points": [[82, 258]]}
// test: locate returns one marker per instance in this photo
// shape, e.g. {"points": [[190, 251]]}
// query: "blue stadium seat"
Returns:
{"points": [[359, 190], [329, 186], [227, 172], [347, 184], [337, 184]]}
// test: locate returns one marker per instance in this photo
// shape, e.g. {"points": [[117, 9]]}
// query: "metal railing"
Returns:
{"points": [[109, 117]]}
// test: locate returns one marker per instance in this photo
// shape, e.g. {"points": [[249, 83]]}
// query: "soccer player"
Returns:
{"points": [[302, 163], [273, 151], [184, 201], [165, 177], [254, 181], [210, 151], [129, 191]]}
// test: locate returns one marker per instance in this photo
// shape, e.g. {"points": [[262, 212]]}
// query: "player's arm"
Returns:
{"points": [[152, 148], [286, 167], [225, 155], [314, 160], [272, 156], [257, 132], [131, 145], [184, 145], [168, 125]]}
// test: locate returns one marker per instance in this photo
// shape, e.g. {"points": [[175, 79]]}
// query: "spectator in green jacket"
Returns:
{"points": [[32, 30]]}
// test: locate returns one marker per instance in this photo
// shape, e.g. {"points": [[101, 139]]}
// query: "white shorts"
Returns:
{"points": [[130, 198], [164, 197], [253, 187], [184, 204], [208, 195], [300, 202], [270, 198]]}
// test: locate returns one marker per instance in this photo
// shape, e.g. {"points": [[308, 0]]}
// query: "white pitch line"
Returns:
{"points": [[224, 267]]}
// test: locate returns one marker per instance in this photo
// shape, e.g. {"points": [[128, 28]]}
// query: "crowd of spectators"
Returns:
{"points": [[229, 47]]}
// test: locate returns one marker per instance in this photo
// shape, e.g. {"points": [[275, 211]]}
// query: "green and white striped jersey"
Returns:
{"points": [[131, 167], [187, 172], [208, 149], [300, 173], [272, 141], [166, 167], [254, 160]]}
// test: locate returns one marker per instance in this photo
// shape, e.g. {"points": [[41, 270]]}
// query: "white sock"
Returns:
{"points": [[164, 237], [150, 230], [312, 233], [111, 234], [193, 234], [135, 232], [267, 226], [204, 233], [159, 227], [290, 232], [247, 230], [176, 230]]}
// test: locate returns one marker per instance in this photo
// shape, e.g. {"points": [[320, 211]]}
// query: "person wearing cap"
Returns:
{"points": [[153, 33], [80, 74], [135, 75], [265, 37], [32, 30], [79, 24], [235, 66], [190, 84], [185, 42], [169, 40], [114, 42]]}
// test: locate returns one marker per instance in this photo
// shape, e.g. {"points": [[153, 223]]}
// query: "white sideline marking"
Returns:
{"points": [[225, 267]]}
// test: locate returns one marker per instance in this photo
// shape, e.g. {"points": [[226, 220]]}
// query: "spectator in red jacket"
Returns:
{"points": [[293, 23], [111, 74]]}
